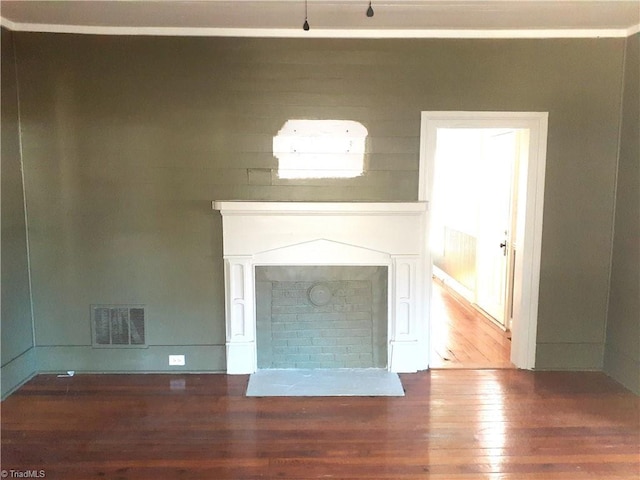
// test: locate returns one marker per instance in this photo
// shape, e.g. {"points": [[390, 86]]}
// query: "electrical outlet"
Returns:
{"points": [[176, 360]]}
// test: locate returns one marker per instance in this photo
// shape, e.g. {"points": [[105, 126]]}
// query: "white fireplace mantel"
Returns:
{"points": [[327, 233]]}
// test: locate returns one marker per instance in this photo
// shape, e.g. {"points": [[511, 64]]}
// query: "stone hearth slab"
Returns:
{"points": [[369, 382]]}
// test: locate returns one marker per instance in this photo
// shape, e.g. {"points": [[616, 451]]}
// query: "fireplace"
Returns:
{"points": [[323, 234], [310, 316]]}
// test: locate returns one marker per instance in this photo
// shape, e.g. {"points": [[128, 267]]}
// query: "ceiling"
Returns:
{"points": [[393, 18]]}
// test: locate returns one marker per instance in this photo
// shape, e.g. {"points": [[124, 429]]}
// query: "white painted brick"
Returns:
{"points": [[349, 340], [358, 332], [365, 348], [284, 318], [309, 333], [284, 335], [280, 309], [312, 350], [323, 341], [295, 357], [303, 335], [358, 325], [318, 317], [324, 364], [334, 350]]}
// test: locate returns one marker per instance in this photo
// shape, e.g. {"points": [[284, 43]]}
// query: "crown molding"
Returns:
{"points": [[320, 33], [633, 30]]}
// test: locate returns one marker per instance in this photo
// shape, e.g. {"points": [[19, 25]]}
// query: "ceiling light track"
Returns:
{"points": [[305, 25]]}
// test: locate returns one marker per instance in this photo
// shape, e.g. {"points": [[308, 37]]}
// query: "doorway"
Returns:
{"points": [[473, 201], [483, 176]]}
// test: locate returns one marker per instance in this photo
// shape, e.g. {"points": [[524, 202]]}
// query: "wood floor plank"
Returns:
{"points": [[462, 337], [451, 425]]}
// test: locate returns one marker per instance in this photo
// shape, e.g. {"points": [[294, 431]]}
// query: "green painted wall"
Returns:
{"points": [[126, 140], [622, 353], [18, 359]]}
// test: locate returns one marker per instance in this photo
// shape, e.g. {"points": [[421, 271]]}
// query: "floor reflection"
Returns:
{"points": [[492, 434]]}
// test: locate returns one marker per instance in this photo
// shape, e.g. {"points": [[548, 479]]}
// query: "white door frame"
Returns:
{"points": [[529, 238]]}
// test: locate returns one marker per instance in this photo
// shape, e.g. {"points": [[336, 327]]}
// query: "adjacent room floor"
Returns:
{"points": [[462, 337], [450, 425]]}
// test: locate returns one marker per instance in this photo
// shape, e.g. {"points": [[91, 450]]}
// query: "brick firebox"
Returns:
{"points": [[343, 326]]}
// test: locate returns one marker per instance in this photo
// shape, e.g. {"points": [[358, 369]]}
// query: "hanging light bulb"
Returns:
{"points": [[370, 10], [305, 25]]}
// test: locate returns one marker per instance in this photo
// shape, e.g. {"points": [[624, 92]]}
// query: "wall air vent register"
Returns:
{"points": [[117, 326]]}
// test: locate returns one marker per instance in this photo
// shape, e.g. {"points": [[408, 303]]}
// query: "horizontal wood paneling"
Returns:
{"points": [[126, 140], [622, 355], [17, 321]]}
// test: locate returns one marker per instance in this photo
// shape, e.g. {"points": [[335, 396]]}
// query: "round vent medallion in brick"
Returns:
{"points": [[320, 294]]}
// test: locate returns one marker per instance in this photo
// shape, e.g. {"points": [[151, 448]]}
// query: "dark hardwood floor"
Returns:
{"points": [[461, 337], [451, 425]]}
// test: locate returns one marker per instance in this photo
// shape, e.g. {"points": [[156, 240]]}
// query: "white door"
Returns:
{"points": [[493, 240]]}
